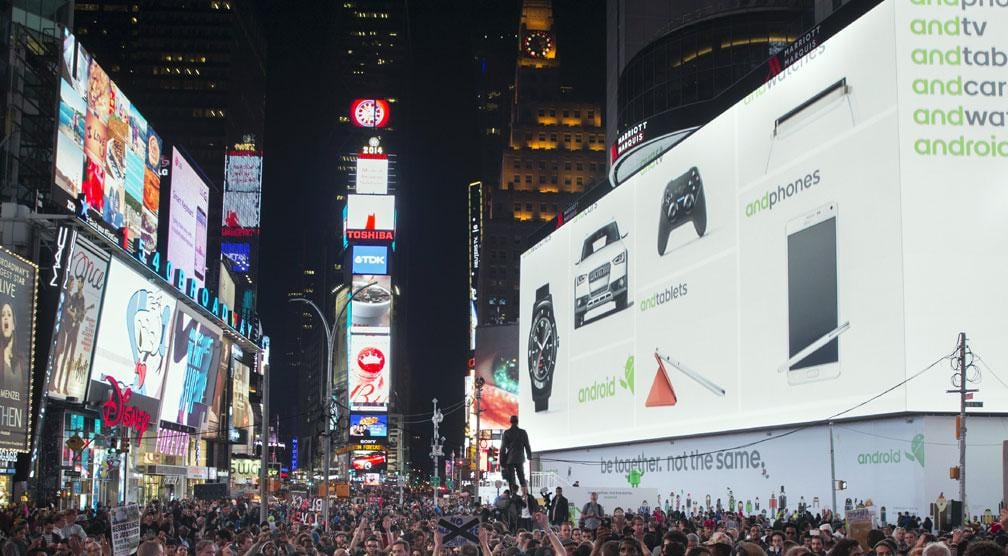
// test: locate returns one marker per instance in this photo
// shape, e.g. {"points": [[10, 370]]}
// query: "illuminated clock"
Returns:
{"points": [[369, 112], [538, 44]]}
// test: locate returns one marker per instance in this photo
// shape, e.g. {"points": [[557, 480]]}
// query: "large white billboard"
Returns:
{"points": [[370, 212], [790, 260], [187, 229], [369, 366]]}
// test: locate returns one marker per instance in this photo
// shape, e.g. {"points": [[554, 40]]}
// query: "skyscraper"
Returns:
{"points": [[554, 151]]}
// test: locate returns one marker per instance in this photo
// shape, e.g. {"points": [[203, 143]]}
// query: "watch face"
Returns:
{"points": [[542, 349], [538, 44]]}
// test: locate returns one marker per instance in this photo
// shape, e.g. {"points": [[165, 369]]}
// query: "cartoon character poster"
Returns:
{"points": [[134, 335]]}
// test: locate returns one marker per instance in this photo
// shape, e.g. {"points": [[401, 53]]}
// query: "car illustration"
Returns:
{"points": [[368, 461], [600, 276]]}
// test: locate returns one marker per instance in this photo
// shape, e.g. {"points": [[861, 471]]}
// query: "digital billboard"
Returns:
{"points": [[370, 112], [368, 425], [82, 288], [187, 228], [242, 191], [18, 286], [369, 367], [497, 363], [778, 265], [370, 259], [370, 213], [241, 410], [195, 349], [215, 412], [238, 255], [105, 148], [372, 174], [368, 461], [371, 307]]}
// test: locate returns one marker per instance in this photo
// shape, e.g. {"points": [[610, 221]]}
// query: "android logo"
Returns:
{"points": [[916, 452], [627, 382], [633, 479]]}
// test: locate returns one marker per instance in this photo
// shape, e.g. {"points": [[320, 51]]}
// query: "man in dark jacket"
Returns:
{"points": [[559, 512], [513, 451]]}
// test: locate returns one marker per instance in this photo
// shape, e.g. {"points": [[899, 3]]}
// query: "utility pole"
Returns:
{"points": [[832, 463], [264, 433], [479, 409], [961, 365], [436, 447]]}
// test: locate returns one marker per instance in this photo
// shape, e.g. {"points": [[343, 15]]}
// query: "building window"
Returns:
{"points": [[566, 113], [553, 137], [580, 181], [567, 138], [528, 179], [542, 165], [552, 113], [517, 207], [542, 113], [517, 179], [580, 166], [591, 115], [542, 179], [528, 207], [567, 181], [577, 138], [567, 165], [542, 136], [577, 113], [516, 163], [553, 179]]}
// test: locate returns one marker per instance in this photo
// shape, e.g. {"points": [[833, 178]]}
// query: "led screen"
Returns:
{"points": [[371, 307], [187, 229], [368, 425], [237, 253], [370, 212], [372, 174], [105, 148], [241, 410], [75, 331], [18, 284], [779, 264], [497, 363], [242, 190], [369, 367], [368, 461], [195, 349], [370, 259]]}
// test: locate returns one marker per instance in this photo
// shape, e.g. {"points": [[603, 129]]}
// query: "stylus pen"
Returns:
{"points": [[820, 342], [717, 390]]}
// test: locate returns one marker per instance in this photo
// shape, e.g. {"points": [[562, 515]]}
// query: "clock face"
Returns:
{"points": [[538, 44], [369, 112], [542, 348]]}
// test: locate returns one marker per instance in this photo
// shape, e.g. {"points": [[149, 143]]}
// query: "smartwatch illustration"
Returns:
{"points": [[544, 341]]}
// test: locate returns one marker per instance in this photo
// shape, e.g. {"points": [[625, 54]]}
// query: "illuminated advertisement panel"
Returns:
{"points": [[371, 307], [192, 369], [241, 410], [242, 191], [18, 285], [215, 412], [370, 213], [238, 255], [497, 363], [105, 148], [75, 331], [723, 288], [368, 425], [187, 228], [372, 174], [369, 461], [369, 112], [370, 259], [369, 366]]}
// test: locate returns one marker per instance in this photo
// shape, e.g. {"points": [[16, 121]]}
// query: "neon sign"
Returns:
{"points": [[116, 411]]}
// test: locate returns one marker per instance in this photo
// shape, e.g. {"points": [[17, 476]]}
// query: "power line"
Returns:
{"points": [[792, 431]]}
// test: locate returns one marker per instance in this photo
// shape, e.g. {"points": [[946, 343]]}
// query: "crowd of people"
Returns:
{"points": [[378, 524]]}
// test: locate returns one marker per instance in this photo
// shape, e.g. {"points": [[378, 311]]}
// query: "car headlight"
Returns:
{"points": [[619, 259], [580, 279]]}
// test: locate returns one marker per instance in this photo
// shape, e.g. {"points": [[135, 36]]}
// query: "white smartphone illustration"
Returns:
{"points": [[813, 299]]}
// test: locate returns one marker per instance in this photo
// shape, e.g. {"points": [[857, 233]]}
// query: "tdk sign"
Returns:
{"points": [[370, 259]]}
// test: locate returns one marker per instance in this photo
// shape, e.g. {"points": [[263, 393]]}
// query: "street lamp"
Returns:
{"points": [[328, 375]]}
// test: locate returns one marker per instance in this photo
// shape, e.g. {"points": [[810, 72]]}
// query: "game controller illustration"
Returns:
{"points": [[683, 201]]}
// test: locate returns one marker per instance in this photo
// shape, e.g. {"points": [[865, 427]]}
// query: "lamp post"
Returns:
{"points": [[328, 375]]}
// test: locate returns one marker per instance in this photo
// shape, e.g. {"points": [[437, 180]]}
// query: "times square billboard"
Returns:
{"points": [[778, 265]]}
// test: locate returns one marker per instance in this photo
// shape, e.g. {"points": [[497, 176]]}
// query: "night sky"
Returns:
{"points": [[439, 159]]}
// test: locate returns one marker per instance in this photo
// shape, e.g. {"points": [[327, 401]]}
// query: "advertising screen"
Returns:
{"points": [[75, 331], [370, 259], [778, 265], [238, 254], [187, 229], [497, 363], [370, 212], [368, 425], [369, 366], [215, 412], [372, 174], [241, 411], [371, 307], [192, 369], [18, 284], [242, 190], [134, 337], [368, 461], [104, 147], [370, 112]]}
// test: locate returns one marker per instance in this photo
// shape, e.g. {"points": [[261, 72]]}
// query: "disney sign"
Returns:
{"points": [[116, 411]]}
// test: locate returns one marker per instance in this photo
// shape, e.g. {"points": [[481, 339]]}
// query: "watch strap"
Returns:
{"points": [[542, 292], [541, 404]]}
